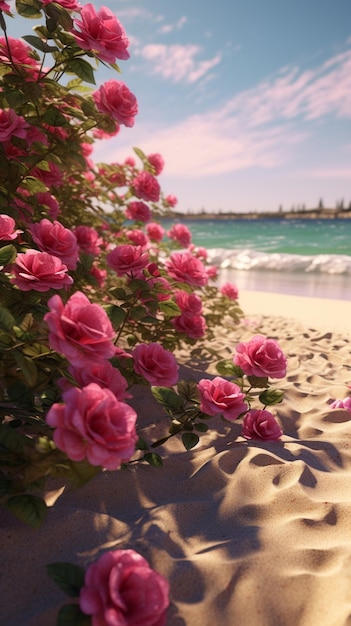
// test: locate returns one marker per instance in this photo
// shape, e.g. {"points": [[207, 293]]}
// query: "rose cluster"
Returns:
{"points": [[262, 358]]}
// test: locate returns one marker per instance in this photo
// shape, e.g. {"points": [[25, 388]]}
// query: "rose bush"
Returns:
{"points": [[127, 300]]}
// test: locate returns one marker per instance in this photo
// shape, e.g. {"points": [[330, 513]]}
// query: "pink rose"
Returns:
{"points": [[104, 374], [98, 274], [157, 162], [261, 357], [50, 202], [7, 228], [157, 365], [212, 272], [55, 239], [12, 125], [101, 33], [137, 237], [138, 211], [5, 7], [39, 271], [121, 589], [130, 161], [114, 99], [187, 269], [51, 177], [19, 55], [221, 396], [193, 326], [92, 424], [161, 288], [127, 259], [230, 291], [79, 330], [88, 239], [261, 424], [201, 253], [155, 231], [342, 404], [171, 200], [188, 302], [146, 187], [181, 234]]}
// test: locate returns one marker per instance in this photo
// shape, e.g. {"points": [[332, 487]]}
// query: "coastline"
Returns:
{"points": [[312, 214]]}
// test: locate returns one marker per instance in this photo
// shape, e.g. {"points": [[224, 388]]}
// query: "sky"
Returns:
{"points": [[248, 101]]}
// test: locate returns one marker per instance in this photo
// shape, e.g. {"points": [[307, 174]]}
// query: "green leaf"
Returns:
{"points": [[20, 394], [138, 313], [271, 396], [34, 185], [153, 459], [39, 44], [76, 85], [258, 381], [141, 444], [188, 390], [82, 472], [69, 577], [82, 69], [29, 509], [54, 117], [27, 367], [115, 67], [58, 16], [227, 368], [27, 323], [28, 8], [7, 321], [190, 440], [201, 427], [5, 339], [169, 308], [71, 615], [7, 254], [140, 154], [11, 440], [168, 398], [116, 314]]}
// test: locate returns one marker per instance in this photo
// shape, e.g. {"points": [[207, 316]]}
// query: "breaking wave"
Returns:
{"points": [[248, 259]]}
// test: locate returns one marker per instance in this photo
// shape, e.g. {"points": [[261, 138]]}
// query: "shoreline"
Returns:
{"points": [[324, 313]]}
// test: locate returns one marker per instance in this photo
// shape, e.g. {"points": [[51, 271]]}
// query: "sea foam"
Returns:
{"points": [[249, 259]]}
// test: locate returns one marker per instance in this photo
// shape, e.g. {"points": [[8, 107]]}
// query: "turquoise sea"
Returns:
{"points": [[308, 257]]}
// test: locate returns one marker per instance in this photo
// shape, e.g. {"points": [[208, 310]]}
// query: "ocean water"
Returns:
{"points": [[308, 257]]}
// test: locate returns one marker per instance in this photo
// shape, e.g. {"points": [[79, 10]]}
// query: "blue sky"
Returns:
{"points": [[249, 101]]}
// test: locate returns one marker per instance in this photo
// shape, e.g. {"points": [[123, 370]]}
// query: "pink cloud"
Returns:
{"points": [[259, 127], [176, 62]]}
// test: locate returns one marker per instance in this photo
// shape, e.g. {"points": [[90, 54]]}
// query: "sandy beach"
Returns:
{"points": [[247, 533]]}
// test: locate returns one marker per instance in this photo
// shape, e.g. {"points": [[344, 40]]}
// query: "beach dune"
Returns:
{"points": [[247, 533]]}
